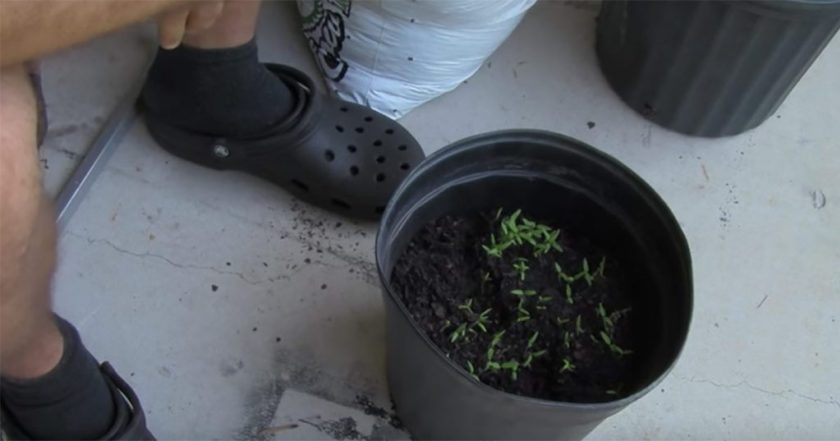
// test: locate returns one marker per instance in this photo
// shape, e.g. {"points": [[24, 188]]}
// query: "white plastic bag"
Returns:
{"points": [[394, 55]]}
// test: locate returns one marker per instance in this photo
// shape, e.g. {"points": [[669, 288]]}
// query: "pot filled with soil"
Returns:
{"points": [[533, 287]]}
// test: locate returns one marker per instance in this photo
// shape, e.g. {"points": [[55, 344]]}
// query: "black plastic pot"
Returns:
{"points": [[711, 67], [552, 177]]}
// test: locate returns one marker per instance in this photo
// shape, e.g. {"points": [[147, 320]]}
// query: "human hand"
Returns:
{"points": [[195, 16]]}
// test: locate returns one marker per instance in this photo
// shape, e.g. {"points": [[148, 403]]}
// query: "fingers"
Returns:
{"points": [[172, 27], [202, 17]]}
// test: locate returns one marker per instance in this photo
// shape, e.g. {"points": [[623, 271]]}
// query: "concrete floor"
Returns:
{"points": [[236, 311]]}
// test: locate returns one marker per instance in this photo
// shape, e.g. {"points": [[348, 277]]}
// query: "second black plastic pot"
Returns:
{"points": [[551, 177], [711, 67]]}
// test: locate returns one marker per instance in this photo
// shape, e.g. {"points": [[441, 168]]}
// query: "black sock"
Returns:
{"points": [[72, 401], [224, 92]]}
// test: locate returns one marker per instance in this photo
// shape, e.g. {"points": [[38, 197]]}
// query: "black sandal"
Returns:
{"points": [[129, 420], [338, 155]]}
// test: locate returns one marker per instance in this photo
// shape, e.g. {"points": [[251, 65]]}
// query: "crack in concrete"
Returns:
{"points": [[171, 262], [366, 268], [744, 383]]}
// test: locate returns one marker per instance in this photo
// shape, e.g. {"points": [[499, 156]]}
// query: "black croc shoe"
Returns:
{"points": [[335, 154]]}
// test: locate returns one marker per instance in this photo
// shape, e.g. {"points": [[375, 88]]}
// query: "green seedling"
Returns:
{"points": [[567, 366], [459, 333], [601, 266], [584, 272], [485, 277], [491, 350], [562, 322], [540, 308], [549, 241], [483, 320], [578, 327], [606, 319], [533, 356], [499, 213], [533, 339], [523, 314], [492, 366], [446, 325], [497, 337], [552, 240], [510, 229], [612, 392], [544, 299], [569, 299], [495, 249], [567, 339], [520, 265], [529, 223], [615, 315], [524, 292], [563, 276], [528, 360], [467, 306], [470, 368], [513, 367], [613, 347]]}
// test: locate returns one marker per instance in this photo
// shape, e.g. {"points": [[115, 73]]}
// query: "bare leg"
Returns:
{"points": [[52, 387], [31, 29], [234, 27], [30, 344]]}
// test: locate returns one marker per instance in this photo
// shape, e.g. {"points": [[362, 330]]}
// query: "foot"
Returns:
{"points": [[218, 92], [75, 399], [338, 155]]}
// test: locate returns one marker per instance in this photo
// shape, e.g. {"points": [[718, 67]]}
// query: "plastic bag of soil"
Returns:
{"points": [[395, 55]]}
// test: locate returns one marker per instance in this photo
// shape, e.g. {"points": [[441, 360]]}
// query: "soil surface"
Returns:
{"points": [[518, 308]]}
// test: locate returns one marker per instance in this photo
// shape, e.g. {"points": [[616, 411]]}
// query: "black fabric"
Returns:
{"points": [[73, 401], [218, 92]]}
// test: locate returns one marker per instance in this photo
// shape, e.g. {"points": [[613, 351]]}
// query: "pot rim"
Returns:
{"points": [[553, 138]]}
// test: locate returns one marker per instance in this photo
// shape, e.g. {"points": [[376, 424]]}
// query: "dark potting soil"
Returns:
{"points": [[522, 316]]}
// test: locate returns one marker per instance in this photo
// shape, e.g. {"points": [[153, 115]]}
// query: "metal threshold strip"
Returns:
{"points": [[94, 161]]}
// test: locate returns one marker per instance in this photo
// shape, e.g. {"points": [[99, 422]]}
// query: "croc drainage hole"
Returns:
{"points": [[379, 210], [340, 129], [380, 177], [405, 166], [354, 170], [368, 118], [380, 159], [300, 185], [402, 148], [360, 130], [341, 204], [377, 143], [389, 132], [329, 156], [343, 109], [351, 148]]}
